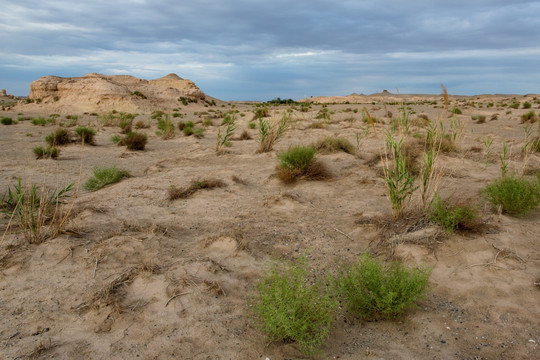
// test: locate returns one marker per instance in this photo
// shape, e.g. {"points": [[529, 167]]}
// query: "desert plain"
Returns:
{"points": [[135, 275]]}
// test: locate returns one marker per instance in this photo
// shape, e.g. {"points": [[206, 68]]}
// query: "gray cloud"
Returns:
{"points": [[243, 49]]}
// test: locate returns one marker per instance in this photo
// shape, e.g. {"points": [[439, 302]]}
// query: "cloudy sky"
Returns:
{"points": [[259, 50]]}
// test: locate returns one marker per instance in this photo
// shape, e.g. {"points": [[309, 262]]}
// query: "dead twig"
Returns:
{"points": [[342, 233], [177, 295]]}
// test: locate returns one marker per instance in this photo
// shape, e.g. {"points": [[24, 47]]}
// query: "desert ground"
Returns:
{"points": [[134, 275]]}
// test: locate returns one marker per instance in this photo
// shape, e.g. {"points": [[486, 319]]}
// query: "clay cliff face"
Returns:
{"points": [[96, 92]]}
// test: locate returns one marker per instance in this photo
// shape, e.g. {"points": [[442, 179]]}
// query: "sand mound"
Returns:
{"points": [[102, 93]]}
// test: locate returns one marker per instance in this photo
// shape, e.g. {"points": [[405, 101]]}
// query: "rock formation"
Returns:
{"points": [[101, 93]]}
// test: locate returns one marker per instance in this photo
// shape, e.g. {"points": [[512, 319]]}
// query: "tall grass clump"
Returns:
{"points": [[103, 177], [513, 195], [7, 121], [36, 209], [373, 290], [270, 132], [289, 308], [224, 137], [399, 180], [165, 128]]}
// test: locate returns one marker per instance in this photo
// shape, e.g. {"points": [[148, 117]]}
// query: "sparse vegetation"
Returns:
{"points": [[166, 128], [103, 177], [7, 120], [271, 132]]}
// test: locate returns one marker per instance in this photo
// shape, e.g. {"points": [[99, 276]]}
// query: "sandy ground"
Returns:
{"points": [[184, 269]]}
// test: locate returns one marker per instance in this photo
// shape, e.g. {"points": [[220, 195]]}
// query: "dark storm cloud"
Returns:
{"points": [[262, 49]]}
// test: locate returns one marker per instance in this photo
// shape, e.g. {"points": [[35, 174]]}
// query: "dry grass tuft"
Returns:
{"points": [[182, 193], [333, 144], [316, 170]]}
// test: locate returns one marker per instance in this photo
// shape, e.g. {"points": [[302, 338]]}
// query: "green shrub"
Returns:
{"points": [[529, 116], [60, 137], [527, 105], [453, 216], [198, 132], [188, 130], [297, 158], [50, 152], [374, 290], [7, 121], [456, 111], [332, 144], [134, 141], [513, 195], [514, 105], [104, 176], [40, 121], [85, 134], [290, 308]]}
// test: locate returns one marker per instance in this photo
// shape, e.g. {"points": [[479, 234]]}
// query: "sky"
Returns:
{"points": [[260, 50]]}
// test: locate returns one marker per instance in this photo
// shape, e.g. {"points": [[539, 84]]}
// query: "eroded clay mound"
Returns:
{"points": [[96, 92]]}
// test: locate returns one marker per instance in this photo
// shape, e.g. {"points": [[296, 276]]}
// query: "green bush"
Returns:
{"points": [[456, 111], [513, 195], [166, 128], [296, 158], [85, 134], [527, 105], [374, 290], [104, 176], [7, 121], [134, 141], [290, 308], [529, 116], [60, 137], [514, 105], [50, 152], [40, 121], [453, 216]]}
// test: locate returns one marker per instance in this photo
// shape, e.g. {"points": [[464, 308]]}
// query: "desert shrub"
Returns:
{"points": [[528, 117], [139, 94], [196, 185], [7, 121], [332, 144], [117, 139], [36, 209], [141, 124], [261, 111], [198, 132], [85, 134], [513, 195], [188, 130], [372, 289], [299, 162], [104, 176], [50, 152], [245, 135], [40, 121], [157, 114], [456, 111], [289, 308], [297, 158], [453, 216], [514, 105], [60, 137], [252, 125], [527, 105], [134, 141], [208, 122], [125, 125]]}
